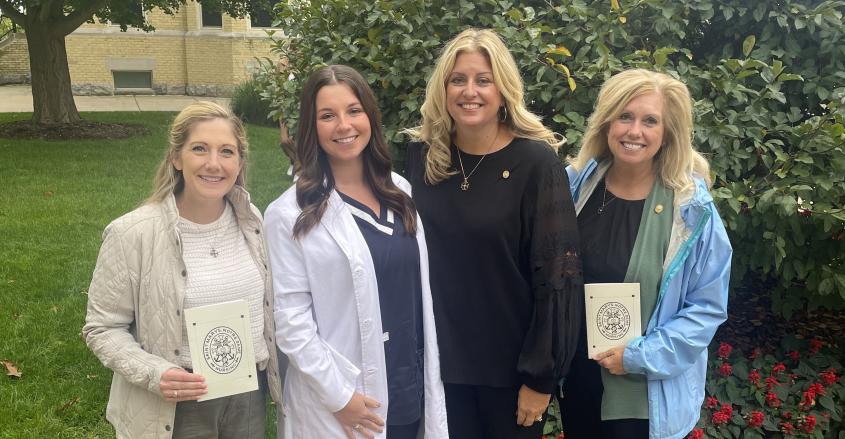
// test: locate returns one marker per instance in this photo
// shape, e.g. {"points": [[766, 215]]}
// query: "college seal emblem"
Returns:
{"points": [[613, 320], [222, 349]]}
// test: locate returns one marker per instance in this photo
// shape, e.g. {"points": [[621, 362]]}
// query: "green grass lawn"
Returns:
{"points": [[56, 199]]}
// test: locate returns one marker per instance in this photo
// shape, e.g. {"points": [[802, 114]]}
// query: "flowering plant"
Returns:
{"points": [[796, 392]]}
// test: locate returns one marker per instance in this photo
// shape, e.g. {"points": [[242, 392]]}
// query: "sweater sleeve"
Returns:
{"points": [[556, 282], [111, 313]]}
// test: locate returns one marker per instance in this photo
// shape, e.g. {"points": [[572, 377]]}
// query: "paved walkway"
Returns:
{"points": [[18, 98]]}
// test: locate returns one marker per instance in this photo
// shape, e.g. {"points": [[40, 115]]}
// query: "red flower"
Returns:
{"points": [[778, 368], [786, 415], [561, 436], [727, 409], [720, 418], [808, 400], [809, 424], [817, 388], [696, 433], [772, 400], [755, 419], [815, 345], [829, 377], [771, 382], [787, 428], [794, 355], [754, 376], [724, 350], [754, 354], [725, 369], [711, 402]]}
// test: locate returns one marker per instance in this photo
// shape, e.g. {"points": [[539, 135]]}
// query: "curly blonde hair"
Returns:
{"points": [[677, 161], [437, 125]]}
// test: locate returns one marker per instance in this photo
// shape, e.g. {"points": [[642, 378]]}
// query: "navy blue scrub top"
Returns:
{"points": [[396, 259]]}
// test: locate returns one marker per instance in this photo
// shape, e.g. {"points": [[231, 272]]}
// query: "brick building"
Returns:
{"points": [[192, 52]]}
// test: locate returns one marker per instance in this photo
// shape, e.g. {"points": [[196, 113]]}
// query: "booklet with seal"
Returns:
{"points": [[613, 315], [220, 338]]}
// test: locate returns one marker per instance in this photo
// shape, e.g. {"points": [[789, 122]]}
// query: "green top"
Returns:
{"points": [[626, 396]]}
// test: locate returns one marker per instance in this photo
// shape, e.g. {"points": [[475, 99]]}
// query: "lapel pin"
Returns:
{"points": [[506, 174], [658, 208]]}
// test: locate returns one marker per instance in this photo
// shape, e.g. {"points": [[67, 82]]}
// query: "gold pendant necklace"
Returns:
{"points": [[465, 184]]}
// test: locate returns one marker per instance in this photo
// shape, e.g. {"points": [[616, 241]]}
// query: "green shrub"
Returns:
{"points": [[248, 105], [797, 391], [767, 77]]}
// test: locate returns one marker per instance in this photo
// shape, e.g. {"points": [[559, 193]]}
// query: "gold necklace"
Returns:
{"points": [[465, 183]]}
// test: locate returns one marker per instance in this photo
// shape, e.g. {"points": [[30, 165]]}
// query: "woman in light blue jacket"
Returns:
{"points": [[645, 215]]}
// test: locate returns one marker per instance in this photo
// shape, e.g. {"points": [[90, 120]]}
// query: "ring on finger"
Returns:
{"points": [[539, 418], [175, 394], [356, 427]]}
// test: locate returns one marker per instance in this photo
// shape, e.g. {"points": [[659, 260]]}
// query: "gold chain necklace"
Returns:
{"points": [[465, 183]]}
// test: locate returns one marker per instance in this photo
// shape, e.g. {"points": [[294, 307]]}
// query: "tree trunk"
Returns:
{"points": [[52, 98]]}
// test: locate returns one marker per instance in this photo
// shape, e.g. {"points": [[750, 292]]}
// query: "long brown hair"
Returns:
{"points": [[316, 182]]}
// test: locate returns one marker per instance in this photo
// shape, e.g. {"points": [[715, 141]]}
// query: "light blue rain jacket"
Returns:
{"points": [[691, 304]]}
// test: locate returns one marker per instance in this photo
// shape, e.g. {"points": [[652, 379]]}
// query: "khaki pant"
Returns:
{"points": [[239, 416]]}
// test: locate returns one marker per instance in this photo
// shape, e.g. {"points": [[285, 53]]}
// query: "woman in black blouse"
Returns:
{"points": [[505, 276]]}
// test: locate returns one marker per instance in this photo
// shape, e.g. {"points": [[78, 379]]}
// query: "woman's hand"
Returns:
{"points": [[177, 384], [357, 416], [611, 360], [530, 406]]}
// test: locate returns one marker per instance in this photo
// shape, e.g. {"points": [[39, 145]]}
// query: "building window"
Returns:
{"points": [[211, 17], [261, 13], [123, 80], [261, 19]]}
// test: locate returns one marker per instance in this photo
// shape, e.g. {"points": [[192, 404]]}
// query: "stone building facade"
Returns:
{"points": [[189, 53]]}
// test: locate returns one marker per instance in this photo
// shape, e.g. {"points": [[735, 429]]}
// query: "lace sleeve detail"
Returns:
{"points": [[556, 281]]}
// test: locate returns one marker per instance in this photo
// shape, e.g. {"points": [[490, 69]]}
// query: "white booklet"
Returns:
{"points": [[220, 338], [613, 315]]}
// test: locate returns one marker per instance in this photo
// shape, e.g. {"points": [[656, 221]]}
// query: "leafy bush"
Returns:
{"points": [[797, 391], [767, 78], [248, 105]]}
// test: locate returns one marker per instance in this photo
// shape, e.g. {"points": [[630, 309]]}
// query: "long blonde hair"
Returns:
{"points": [[677, 160], [168, 180], [437, 125]]}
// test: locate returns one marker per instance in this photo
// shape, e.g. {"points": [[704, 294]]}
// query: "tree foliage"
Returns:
{"points": [[768, 79]]}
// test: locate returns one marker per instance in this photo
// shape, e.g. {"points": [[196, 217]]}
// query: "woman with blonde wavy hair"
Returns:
{"points": [[197, 240], [645, 216], [502, 237]]}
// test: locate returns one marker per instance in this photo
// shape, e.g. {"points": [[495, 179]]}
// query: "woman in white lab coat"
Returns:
{"points": [[350, 267]]}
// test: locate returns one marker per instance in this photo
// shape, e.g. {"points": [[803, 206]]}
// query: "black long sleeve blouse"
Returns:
{"points": [[505, 273]]}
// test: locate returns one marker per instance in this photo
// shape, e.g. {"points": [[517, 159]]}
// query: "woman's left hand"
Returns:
{"points": [[530, 406], [178, 384], [611, 360]]}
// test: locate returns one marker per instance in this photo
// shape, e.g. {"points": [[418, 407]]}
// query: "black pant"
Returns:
{"points": [[580, 407], [407, 431], [480, 412]]}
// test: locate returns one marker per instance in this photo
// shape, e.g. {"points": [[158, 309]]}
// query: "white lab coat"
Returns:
{"points": [[328, 320]]}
